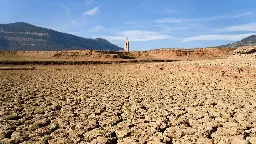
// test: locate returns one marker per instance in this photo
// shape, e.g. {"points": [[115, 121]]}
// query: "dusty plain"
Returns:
{"points": [[96, 55], [201, 101]]}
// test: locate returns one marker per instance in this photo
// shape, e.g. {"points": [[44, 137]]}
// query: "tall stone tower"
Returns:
{"points": [[126, 45]]}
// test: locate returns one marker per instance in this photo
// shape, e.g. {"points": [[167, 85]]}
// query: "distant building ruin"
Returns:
{"points": [[126, 45]]}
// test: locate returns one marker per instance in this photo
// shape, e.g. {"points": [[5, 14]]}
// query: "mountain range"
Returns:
{"points": [[24, 36], [249, 41]]}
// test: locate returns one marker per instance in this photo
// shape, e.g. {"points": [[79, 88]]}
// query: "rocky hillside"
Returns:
{"points": [[24, 36], [249, 41]]}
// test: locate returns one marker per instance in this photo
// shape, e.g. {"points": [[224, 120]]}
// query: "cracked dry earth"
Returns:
{"points": [[153, 103]]}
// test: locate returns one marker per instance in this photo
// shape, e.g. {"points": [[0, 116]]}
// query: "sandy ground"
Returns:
{"points": [[209, 101], [94, 55]]}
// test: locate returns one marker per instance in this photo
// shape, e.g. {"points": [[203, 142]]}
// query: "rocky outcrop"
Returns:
{"points": [[245, 50]]}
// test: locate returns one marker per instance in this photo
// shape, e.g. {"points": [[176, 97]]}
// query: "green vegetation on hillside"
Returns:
{"points": [[23, 36]]}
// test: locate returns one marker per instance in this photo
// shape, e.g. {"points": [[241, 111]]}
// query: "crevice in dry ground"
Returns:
{"points": [[185, 102], [168, 141], [113, 138], [213, 130], [120, 119], [246, 134]]}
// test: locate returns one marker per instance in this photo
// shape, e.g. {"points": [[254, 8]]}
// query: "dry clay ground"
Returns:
{"points": [[210, 101]]}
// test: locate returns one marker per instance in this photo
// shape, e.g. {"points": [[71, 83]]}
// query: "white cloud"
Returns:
{"points": [[179, 20], [241, 15], [96, 29], [170, 20], [210, 18], [234, 37], [138, 35], [165, 28], [68, 13], [244, 27], [88, 1], [93, 11]]}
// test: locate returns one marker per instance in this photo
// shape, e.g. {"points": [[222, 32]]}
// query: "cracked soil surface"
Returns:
{"points": [[210, 101]]}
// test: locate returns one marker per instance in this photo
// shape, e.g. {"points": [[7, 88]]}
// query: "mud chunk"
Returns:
{"points": [[12, 117], [40, 123], [54, 126]]}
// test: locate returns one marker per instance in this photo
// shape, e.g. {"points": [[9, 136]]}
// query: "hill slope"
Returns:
{"points": [[249, 41], [24, 36]]}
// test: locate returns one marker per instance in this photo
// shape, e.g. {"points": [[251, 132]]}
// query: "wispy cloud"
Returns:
{"points": [[93, 11], [241, 15], [68, 13], [245, 27], [179, 20], [88, 1], [210, 18], [234, 37], [137, 35], [170, 20], [170, 29], [96, 29]]}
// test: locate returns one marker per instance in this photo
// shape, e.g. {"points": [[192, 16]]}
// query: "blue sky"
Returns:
{"points": [[148, 24]]}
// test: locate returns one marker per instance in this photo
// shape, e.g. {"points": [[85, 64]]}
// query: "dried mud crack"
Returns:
{"points": [[179, 102]]}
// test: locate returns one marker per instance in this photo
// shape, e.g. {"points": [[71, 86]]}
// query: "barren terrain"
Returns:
{"points": [[96, 55], [206, 101]]}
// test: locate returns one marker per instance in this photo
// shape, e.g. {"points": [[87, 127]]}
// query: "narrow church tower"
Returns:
{"points": [[126, 45]]}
